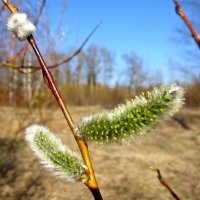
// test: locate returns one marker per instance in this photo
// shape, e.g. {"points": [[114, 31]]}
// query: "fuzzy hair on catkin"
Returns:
{"points": [[20, 25], [54, 155], [133, 118]]}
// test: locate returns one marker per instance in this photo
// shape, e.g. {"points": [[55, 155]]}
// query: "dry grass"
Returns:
{"points": [[122, 169]]}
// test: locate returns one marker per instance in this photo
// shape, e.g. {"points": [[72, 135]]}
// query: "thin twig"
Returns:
{"points": [[18, 54], [2, 7], [164, 183], [49, 80], [39, 12], [62, 12], [183, 16]]}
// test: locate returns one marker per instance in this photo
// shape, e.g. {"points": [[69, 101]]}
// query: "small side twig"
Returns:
{"points": [[184, 17], [164, 183], [180, 120]]}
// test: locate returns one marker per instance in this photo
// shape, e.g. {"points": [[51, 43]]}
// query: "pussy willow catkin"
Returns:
{"points": [[55, 156], [134, 117], [20, 25]]}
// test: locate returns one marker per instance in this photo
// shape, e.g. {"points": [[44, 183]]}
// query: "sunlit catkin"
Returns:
{"points": [[55, 156], [134, 117]]}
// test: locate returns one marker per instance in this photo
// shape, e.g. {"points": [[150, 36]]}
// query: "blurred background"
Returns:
{"points": [[139, 44]]}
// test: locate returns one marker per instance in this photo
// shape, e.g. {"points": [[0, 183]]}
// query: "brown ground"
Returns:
{"points": [[122, 170]]}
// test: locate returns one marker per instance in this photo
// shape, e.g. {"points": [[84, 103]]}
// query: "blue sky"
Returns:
{"points": [[145, 27]]}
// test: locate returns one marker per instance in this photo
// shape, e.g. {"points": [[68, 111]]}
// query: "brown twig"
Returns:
{"points": [[49, 80], [183, 16], [164, 183]]}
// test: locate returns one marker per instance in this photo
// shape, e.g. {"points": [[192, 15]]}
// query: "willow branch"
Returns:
{"points": [[49, 80], [165, 184], [184, 17]]}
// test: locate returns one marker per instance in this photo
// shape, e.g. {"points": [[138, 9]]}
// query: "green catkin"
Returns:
{"points": [[54, 155], [134, 117]]}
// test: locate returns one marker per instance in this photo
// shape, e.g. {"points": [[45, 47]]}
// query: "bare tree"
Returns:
{"points": [[92, 64], [79, 77], [135, 73], [107, 61]]}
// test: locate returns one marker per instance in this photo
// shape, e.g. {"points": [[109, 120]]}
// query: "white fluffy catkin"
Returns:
{"points": [[19, 24], [54, 155]]}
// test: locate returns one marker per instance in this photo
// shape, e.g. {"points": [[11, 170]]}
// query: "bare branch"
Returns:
{"points": [[39, 12], [164, 183], [61, 16], [183, 16]]}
